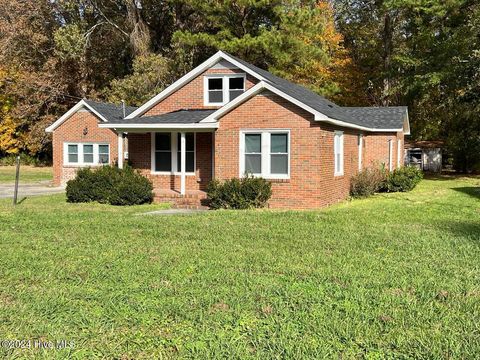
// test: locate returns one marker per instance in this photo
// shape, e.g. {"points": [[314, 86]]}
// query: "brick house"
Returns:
{"points": [[226, 118]]}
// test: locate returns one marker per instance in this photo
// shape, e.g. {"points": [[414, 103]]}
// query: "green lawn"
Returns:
{"points": [[28, 174], [393, 276]]}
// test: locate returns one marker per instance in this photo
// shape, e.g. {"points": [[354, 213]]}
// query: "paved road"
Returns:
{"points": [[39, 188]]}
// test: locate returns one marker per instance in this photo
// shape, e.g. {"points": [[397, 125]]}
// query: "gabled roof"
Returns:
{"points": [[104, 111], [383, 119], [377, 119], [111, 112]]}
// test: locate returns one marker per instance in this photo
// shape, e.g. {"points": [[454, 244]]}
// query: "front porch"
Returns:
{"points": [[178, 162]]}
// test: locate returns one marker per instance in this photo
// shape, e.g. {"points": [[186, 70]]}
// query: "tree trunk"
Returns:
{"points": [[387, 57]]}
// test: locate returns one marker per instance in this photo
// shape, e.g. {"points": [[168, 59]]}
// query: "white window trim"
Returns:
{"points": [[174, 150], [265, 154], [335, 151], [360, 152], [80, 162], [390, 155], [399, 150], [225, 88]]}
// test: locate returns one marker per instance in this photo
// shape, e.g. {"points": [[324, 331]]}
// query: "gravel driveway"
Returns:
{"points": [[38, 188]]}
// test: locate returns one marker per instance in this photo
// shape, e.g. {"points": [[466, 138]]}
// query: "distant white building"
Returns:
{"points": [[426, 155]]}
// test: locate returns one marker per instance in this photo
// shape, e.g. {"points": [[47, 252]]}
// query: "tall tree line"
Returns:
{"points": [[420, 53], [424, 54]]}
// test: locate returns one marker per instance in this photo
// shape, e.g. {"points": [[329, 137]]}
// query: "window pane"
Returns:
{"points": [[189, 161], [72, 149], [279, 164], [163, 161], [103, 158], [189, 140], [253, 143], [278, 143], [236, 83], [88, 149], [72, 158], [253, 164], [215, 96], [235, 93], [162, 141], [88, 158], [103, 149], [215, 84]]}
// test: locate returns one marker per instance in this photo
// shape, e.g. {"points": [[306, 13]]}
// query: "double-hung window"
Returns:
{"points": [[167, 154], [220, 89], [86, 154], [338, 152], [265, 153]]}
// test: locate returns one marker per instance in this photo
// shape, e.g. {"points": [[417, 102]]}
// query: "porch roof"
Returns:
{"points": [[184, 118]]}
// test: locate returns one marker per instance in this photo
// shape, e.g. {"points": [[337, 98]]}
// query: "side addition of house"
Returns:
{"points": [[227, 118]]}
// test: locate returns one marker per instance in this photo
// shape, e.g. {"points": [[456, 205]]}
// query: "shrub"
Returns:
{"points": [[367, 182], [110, 185], [246, 193], [403, 179], [25, 159]]}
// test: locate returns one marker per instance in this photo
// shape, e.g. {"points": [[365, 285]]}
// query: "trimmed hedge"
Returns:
{"points": [[110, 185], [403, 179], [246, 193]]}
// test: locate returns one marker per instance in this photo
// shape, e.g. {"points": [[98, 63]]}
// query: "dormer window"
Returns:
{"points": [[220, 89]]}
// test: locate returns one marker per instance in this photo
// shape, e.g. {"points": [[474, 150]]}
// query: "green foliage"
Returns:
{"points": [[70, 42], [245, 193], [25, 159], [403, 179], [423, 54], [295, 40], [367, 182], [110, 185], [151, 74]]}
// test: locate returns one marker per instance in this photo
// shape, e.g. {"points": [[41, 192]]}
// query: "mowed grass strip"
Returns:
{"points": [[28, 174], [392, 276]]}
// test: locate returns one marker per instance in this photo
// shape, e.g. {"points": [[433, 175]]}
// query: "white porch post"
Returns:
{"points": [[120, 150], [183, 147]]}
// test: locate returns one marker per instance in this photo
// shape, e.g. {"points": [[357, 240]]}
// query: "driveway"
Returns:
{"points": [[26, 189]]}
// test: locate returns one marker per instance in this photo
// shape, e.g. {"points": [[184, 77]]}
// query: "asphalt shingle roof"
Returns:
{"points": [[184, 116], [111, 112], [391, 117], [372, 117]]}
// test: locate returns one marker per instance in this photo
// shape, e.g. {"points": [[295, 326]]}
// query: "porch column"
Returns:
{"points": [[120, 150], [183, 147]]}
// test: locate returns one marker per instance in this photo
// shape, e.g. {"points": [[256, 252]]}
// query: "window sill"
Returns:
{"points": [[171, 173], [83, 165], [279, 180]]}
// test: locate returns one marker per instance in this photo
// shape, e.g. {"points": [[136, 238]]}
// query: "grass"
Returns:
{"points": [[392, 276], [28, 174]]}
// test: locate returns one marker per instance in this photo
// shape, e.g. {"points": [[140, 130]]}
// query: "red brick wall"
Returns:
{"points": [[376, 149], [140, 158], [72, 131], [312, 182], [190, 96]]}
